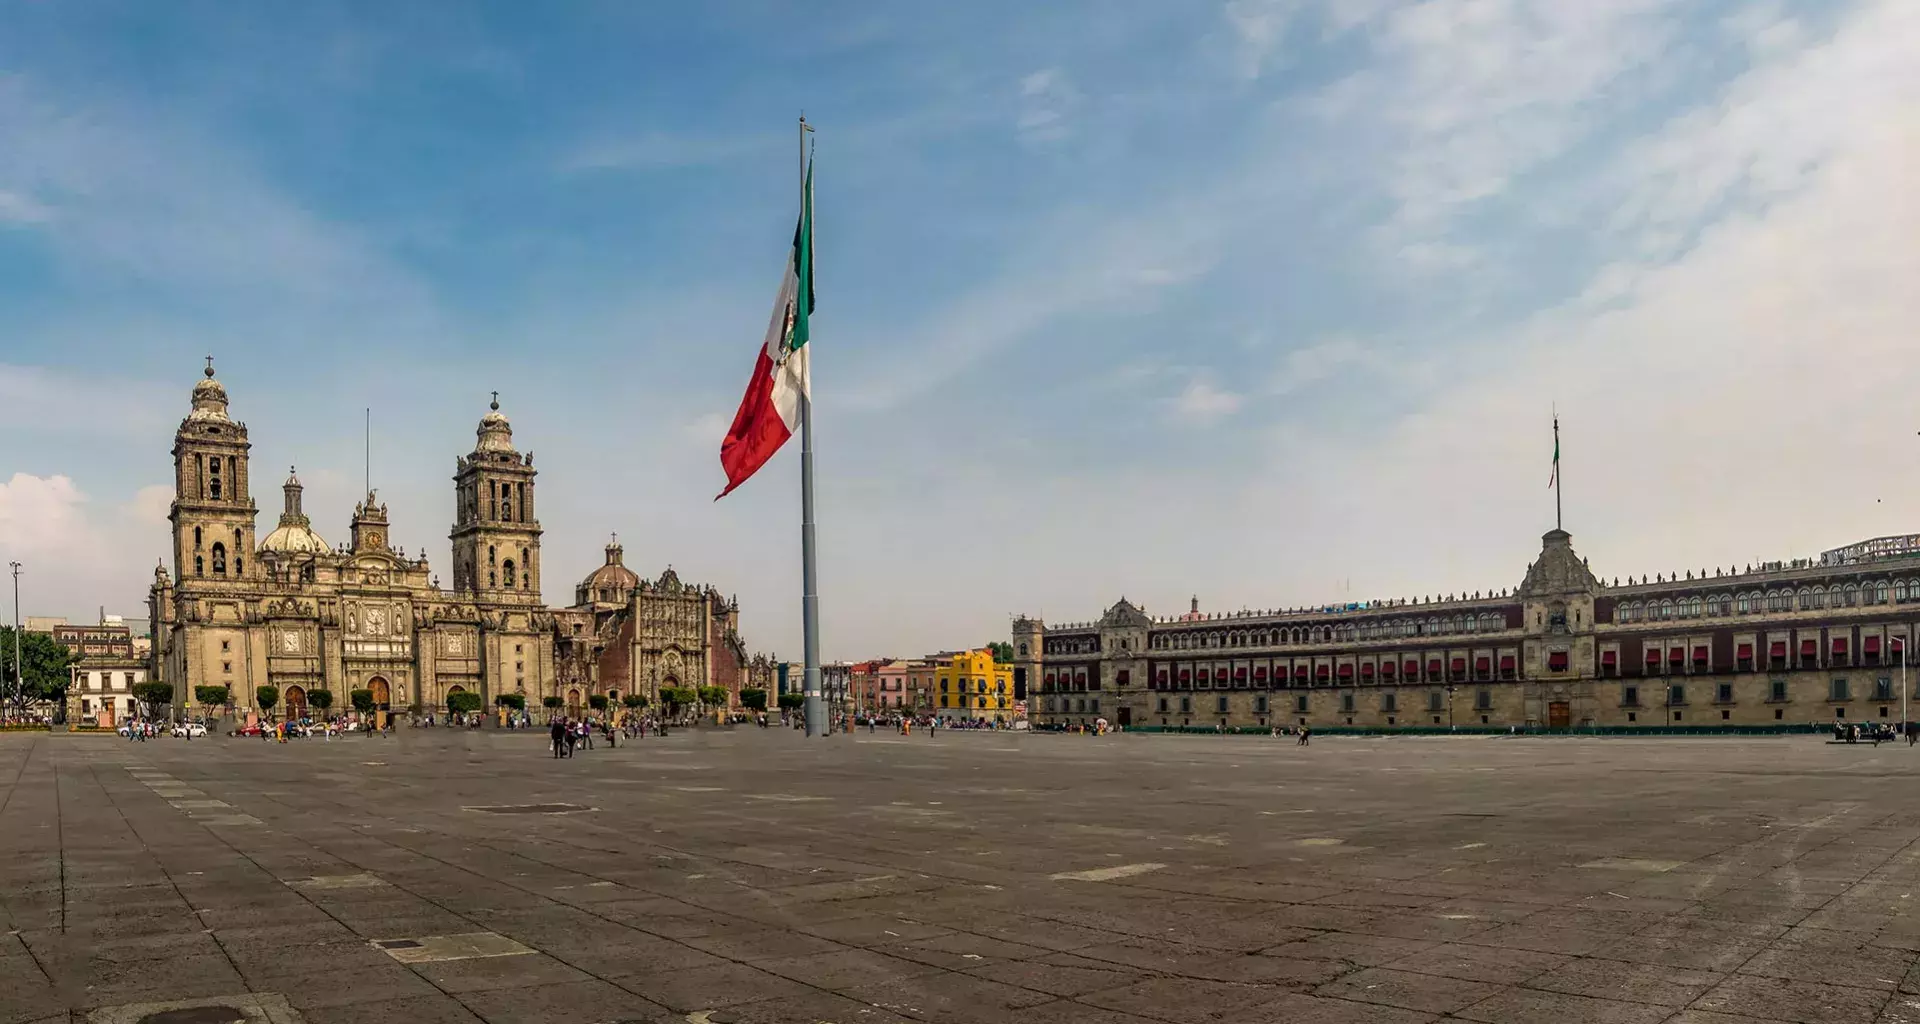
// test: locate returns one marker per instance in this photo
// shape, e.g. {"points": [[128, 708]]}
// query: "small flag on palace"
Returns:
{"points": [[770, 411], [1555, 476]]}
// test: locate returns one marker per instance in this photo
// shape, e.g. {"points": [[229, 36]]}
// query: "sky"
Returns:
{"points": [[1268, 302]]}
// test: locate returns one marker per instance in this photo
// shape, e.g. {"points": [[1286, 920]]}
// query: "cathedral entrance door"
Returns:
{"points": [[573, 703], [1126, 716], [296, 703], [1559, 715], [382, 696]]}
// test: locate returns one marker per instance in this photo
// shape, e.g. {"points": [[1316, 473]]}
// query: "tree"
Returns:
{"points": [[320, 699], [677, 697], [1002, 652], [516, 701], [463, 702], [45, 665], [266, 697], [597, 701], [362, 701], [792, 701], [753, 699], [211, 696], [714, 696], [552, 703], [154, 696], [634, 700]]}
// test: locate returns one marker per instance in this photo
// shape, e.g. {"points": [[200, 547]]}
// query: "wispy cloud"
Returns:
{"points": [[1203, 403], [1047, 101]]}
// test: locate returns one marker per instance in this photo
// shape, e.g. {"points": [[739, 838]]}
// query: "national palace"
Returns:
{"points": [[290, 611], [1813, 640]]}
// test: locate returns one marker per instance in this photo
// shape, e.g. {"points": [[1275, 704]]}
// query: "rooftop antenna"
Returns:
{"points": [[368, 462]]}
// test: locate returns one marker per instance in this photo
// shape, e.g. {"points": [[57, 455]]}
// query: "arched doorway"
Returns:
{"points": [[296, 701], [573, 703], [382, 697]]}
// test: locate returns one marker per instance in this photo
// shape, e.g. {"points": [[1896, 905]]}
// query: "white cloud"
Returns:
{"points": [[1322, 360], [19, 208], [77, 556], [1259, 28], [1047, 100], [1202, 403]]}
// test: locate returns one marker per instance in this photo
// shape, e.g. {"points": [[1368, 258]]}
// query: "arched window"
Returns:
{"points": [[213, 481], [506, 573], [1852, 597], [1743, 604], [1880, 592], [239, 564], [1666, 609], [306, 572], [490, 554], [239, 541], [196, 538], [199, 566], [1805, 597], [219, 559], [492, 580], [1899, 590]]}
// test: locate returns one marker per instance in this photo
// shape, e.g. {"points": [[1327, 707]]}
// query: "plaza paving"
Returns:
{"points": [[755, 876]]}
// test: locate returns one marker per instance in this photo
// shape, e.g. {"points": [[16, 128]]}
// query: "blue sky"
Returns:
{"points": [[1265, 301]]}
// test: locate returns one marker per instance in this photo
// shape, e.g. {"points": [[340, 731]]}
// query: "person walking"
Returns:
{"points": [[558, 732], [1306, 734]]}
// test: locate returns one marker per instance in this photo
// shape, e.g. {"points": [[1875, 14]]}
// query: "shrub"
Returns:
{"points": [[715, 696], [516, 701], [211, 696], [320, 699], [754, 699], [553, 702], [463, 702], [634, 700], [597, 701], [362, 700], [792, 701], [266, 697]]}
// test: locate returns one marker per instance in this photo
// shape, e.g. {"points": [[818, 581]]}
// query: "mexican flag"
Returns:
{"points": [[770, 410]]}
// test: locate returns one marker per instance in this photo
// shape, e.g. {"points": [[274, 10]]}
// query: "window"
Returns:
{"points": [[219, 559], [1389, 702], [1883, 688], [196, 538], [1630, 696], [1777, 690], [1723, 693], [1220, 705], [1837, 690], [226, 666], [506, 573], [1163, 705], [1346, 702], [1259, 705], [1300, 704], [1434, 700], [1186, 705], [199, 566], [1743, 604], [1676, 694], [1482, 699]]}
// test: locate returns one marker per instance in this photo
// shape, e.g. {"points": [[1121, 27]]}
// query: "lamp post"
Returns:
{"points": [[19, 681]]}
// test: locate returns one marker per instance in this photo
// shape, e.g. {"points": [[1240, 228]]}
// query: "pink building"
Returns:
{"points": [[890, 679]]}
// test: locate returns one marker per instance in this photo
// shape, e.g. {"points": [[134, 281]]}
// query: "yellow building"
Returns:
{"points": [[972, 685]]}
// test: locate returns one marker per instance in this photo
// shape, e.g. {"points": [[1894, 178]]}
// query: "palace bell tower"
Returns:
{"points": [[213, 512], [496, 539]]}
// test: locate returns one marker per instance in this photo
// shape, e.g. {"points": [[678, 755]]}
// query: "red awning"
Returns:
{"points": [[1745, 652], [1607, 657], [1220, 673], [1299, 671], [1482, 664], [1677, 654], [1873, 645], [1809, 647], [1459, 664], [1260, 672], [1185, 675], [1386, 668], [1080, 677], [1346, 671], [1433, 667], [1653, 655], [1506, 661], [1839, 645], [1778, 649], [1557, 660], [1699, 653], [1320, 670], [1050, 676], [1163, 675], [1239, 673], [1366, 668]]}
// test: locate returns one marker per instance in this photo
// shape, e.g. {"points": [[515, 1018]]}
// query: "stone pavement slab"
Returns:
{"points": [[748, 876]]}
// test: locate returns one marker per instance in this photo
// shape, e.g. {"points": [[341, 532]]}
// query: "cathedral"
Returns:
{"points": [[292, 612]]}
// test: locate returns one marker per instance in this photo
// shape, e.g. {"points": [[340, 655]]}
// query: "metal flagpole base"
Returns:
{"points": [[816, 716]]}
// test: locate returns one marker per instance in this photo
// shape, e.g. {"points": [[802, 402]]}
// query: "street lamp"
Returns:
{"points": [[19, 681]]}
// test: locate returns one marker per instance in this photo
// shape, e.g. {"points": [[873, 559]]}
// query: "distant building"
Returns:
{"points": [[974, 686], [100, 685], [42, 624]]}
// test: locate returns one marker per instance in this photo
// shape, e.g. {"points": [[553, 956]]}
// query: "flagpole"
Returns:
{"points": [[816, 710], [1557, 484]]}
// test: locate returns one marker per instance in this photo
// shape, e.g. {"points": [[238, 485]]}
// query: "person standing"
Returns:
{"points": [[558, 732]]}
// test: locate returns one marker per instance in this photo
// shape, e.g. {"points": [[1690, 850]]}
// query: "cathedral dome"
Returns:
{"points": [[209, 398], [294, 538], [494, 434], [612, 581]]}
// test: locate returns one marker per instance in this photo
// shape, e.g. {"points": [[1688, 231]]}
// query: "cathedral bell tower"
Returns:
{"points": [[496, 539], [213, 512]]}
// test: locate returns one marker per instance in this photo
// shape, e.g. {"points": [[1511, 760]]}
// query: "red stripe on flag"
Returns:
{"points": [[757, 431]]}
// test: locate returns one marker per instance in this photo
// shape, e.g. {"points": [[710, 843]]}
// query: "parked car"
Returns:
{"points": [[189, 730]]}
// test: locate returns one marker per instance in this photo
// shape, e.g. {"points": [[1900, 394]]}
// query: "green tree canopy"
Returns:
{"points": [[211, 696], [714, 696], [464, 702], [321, 699], [45, 665], [516, 701], [154, 695], [792, 701], [362, 700], [634, 700], [552, 701], [266, 697], [1002, 652], [597, 701], [754, 699]]}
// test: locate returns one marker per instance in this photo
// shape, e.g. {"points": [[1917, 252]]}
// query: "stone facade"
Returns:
{"points": [[294, 613], [1784, 643]]}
